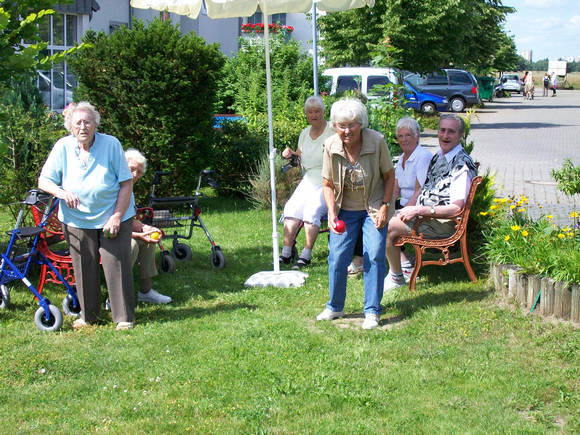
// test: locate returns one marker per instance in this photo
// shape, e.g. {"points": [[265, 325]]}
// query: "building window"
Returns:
{"points": [[258, 18], [56, 85]]}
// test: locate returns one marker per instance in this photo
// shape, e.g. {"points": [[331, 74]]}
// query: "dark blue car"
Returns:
{"points": [[423, 101]]}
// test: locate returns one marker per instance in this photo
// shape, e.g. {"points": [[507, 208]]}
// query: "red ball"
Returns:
{"points": [[339, 226]]}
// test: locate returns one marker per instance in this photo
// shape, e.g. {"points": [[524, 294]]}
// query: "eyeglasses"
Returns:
{"points": [[85, 122], [343, 127]]}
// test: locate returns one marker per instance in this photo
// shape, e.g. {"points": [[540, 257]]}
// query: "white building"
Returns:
{"points": [[71, 22]]}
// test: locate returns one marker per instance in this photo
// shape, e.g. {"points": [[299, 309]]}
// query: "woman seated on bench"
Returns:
{"points": [[444, 193]]}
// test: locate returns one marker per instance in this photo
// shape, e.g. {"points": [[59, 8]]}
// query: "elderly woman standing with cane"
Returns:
{"points": [[358, 183], [88, 172]]}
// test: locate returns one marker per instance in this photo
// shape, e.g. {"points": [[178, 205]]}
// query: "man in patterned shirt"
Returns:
{"points": [[444, 193]]}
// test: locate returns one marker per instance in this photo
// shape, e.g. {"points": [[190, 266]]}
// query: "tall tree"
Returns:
{"points": [[506, 58], [430, 34], [349, 37]]}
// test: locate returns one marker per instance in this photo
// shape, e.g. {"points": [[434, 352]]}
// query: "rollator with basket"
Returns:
{"points": [[176, 217], [27, 246]]}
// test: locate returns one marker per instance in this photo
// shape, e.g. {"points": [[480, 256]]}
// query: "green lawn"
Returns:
{"points": [[225, 358]]}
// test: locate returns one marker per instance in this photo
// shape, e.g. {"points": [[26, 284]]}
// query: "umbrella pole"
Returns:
{"points": [[277, 278], [272, 150], [315, 48]]}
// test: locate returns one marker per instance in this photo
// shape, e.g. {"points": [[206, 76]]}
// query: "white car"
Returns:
{"points": [[361, 79], [511, 83], [57, 93]]}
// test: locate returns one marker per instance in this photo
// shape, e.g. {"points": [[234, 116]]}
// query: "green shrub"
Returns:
{"points": [[154, 88], [28, 130], [242, 90], [260, 193]]}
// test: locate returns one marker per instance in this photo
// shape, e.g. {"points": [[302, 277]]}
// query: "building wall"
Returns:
{"points": [[226, 32]]}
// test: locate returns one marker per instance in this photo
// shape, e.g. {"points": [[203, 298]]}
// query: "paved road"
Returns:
{"points": [[521, 141]]}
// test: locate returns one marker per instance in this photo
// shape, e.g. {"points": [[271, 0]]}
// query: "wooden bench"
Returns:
{"points": [[421, 244]]}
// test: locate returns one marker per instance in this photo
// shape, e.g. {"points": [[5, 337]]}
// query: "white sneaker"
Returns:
{"points": [[353, 269], [329, 315], [122, 326], [371, 321], [407, 274], [153, 297], [392, 282]]}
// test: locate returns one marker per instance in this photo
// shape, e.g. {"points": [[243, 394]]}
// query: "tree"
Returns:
{"points": [[348, 38], [430, 34], [506, 58], [21, 49], [154, 89]]}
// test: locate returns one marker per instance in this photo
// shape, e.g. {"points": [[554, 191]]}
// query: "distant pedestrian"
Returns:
{"points": [[529, 85], [554, 83], [546, 85]]}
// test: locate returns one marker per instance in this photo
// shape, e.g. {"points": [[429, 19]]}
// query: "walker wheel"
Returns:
{"points": [[218, 259], [54, 321], [4, 297], [181, 252], [166, 262], [69, 308]]}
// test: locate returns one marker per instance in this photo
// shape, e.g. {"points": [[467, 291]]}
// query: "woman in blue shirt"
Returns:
{"points": [[88, 172]]}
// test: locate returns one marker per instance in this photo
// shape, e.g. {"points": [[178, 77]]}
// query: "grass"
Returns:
{"points": [[225, 358]]}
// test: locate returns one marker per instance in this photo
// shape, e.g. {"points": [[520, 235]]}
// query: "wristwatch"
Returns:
{"points": [[432, 211], [388, 204]]}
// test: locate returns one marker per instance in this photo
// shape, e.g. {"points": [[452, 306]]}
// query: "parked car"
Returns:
{"points": [[511, 83], [361, 79], [457, 85], [56, 93], [423, 101]]}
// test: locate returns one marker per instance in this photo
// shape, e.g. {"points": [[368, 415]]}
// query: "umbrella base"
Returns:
{"points": [[285, 279]]}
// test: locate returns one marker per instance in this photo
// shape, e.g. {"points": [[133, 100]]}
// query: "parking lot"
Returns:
{"points": [[521, 141]]}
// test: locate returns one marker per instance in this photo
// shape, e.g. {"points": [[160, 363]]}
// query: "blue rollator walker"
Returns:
{"points": [[22, 251]]}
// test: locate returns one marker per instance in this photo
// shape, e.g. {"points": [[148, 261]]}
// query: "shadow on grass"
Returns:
{"points": [[181, 313]]}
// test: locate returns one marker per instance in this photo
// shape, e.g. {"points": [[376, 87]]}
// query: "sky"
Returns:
{"points": [[550, 28]]}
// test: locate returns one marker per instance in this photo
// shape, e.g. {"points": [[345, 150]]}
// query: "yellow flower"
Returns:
{"points": [[561, 236], [521, 210], [550, 216], [483, 213], [524, 233], [567, 229], [570, 234], [574, 214], [493, 207], [515, 227], [519, 203], [506, 238], [504, 200], [540, 206], [523, 198], [512, 206], [496, 199]]}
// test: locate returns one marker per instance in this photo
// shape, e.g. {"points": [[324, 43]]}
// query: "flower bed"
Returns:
{"points": [[534, 261], [535, 246], [272, 27]]}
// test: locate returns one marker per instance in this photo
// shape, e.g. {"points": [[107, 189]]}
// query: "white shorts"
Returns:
{"points": [[306, 203]]}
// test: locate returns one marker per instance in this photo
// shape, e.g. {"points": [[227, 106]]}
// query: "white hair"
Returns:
{"points": [[85, 106], [410, 123], [315, 102], [137, 157], [349, 109]]}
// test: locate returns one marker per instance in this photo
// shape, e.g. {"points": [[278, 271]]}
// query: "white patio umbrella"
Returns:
{"points": [[245, 8]]}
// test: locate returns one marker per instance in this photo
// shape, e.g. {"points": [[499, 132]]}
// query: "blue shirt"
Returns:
{"points": [[96, 183]]}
